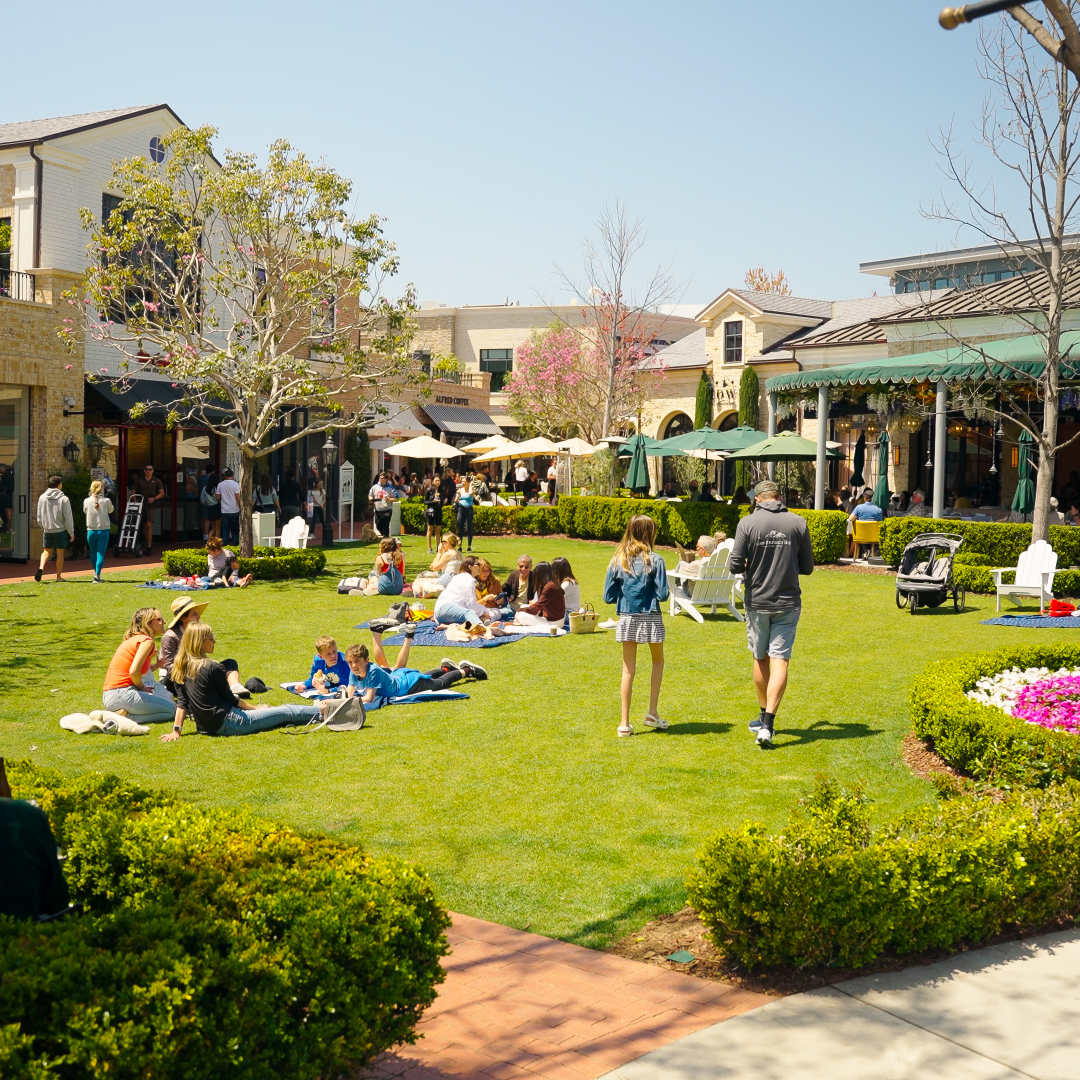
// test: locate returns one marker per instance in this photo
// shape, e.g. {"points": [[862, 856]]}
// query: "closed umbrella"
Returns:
{"points": [[881, 489], [1024, 499], [859, 463], [637, 476]]}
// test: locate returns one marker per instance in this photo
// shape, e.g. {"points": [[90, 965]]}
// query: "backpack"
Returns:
{"points": [[207, 497], [349, 585]]}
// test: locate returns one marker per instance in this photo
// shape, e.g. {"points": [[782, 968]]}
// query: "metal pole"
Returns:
{"points": [[951, 17], [941, 448], [822, 432], [771, 430]]}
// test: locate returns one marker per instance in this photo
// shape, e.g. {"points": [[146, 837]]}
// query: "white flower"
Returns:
{"points": [[1000, 690]]}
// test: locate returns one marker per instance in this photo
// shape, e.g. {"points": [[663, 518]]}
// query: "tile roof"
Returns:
{"points": [[28, 132], [857, 322], [786, 305], [687, 352]]}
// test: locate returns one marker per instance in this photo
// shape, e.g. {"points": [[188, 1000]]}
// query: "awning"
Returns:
{"points": [[455, 420], [1012, 358], [115, 404], [392, 420]]}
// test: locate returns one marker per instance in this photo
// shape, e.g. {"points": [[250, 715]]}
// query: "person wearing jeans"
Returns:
{"points": [[97, 509], [240, 721], [457, 603], [229, 494], [126, 688], [464, 500]]}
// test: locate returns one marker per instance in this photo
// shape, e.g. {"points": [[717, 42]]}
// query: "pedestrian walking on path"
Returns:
{"points": [[772, 548], [96, 509], [57, 526]]}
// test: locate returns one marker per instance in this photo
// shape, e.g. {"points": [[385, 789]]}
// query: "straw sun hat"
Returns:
{"points": [[182, 605]]}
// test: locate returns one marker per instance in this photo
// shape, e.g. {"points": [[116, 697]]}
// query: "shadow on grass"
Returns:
{"points": [[699, 727], [826, 729], [663, 897]]}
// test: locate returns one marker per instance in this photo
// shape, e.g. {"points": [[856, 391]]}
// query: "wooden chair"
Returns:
{"points": [[713, 587], [864, 533], [1034, 576], [294, 534]]}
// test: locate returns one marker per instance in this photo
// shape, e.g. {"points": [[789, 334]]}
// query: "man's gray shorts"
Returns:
{"points": [[771, 633]]}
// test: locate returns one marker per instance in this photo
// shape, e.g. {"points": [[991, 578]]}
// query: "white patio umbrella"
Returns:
{"points": [[492, 442], [577, 448], [424, 447], [503, 453], [539, 445]]}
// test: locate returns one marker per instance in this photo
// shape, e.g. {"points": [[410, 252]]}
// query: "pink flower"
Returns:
{"points": [[67, 367], [104, 370]]}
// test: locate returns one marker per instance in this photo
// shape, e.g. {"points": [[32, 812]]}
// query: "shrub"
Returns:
{"points": [[267, 564], [971, 558], [1003, 543], [982, 740], [212, 944], [831, 892], [828, 533]]}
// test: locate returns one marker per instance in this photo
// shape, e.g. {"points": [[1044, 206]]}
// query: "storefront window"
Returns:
{"points": [[14, 472]]}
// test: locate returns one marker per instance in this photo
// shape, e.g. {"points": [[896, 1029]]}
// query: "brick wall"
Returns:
{"points": [[7, 191]]}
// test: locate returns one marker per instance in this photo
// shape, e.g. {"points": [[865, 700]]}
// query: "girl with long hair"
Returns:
{"points": [[549, 603], [130, 688], [96, 510], [636, 583], [564, 577], [434, 501]]}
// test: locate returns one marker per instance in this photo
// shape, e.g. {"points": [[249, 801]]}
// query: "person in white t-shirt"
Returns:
{"points": [[229, 493], [521, 474]]}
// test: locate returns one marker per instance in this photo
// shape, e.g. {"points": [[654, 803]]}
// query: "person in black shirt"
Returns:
{"points": [[290, 496], [203, 690], [434, 501]]}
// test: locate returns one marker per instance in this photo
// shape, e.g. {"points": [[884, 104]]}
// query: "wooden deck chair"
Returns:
{"points": [[713, 587], [1034, 576], [294, 534]]}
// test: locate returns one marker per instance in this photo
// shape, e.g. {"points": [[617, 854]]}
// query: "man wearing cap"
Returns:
{"points": [[184, 611], [153, 491], [772, 548]]}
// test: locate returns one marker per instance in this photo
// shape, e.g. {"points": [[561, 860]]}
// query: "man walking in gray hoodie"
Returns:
{"points": [[56, 523], [772, 548]]}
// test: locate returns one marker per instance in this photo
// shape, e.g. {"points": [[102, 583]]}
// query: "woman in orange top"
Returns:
{"points": [[129, 687]]}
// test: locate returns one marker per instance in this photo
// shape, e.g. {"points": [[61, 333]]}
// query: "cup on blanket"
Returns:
{"points": [[554, 631]]}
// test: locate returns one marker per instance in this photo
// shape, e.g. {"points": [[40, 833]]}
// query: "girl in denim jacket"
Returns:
{"points": [[636, 583]]}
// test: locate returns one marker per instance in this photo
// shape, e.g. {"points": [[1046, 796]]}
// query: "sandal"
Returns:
{"points": [[623, 734], [654, 721]]}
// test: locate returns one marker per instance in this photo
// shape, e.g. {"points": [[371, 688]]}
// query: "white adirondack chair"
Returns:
{"points": [[1034, 576], [713, 587], [294, 534]]}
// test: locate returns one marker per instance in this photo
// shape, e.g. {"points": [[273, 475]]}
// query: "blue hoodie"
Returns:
{"points": [[638, 591]]}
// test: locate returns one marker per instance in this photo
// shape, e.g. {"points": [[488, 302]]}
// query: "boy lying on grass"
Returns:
{"points": [[329, 669], [377, 682]]}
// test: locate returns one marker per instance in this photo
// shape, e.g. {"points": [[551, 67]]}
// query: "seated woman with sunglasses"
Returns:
{"points": [[203, 691]]}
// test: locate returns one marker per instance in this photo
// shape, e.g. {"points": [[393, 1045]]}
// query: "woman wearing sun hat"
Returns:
{"points": [[184, 611]]}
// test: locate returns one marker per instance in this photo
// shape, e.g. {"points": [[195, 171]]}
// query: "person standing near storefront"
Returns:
{"points": [[229, 494], [57, 526], [153, 491]]}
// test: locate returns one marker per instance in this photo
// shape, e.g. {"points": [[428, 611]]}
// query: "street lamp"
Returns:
{"points": [[94, 450], [951, 17], [71, 450], [329, 455]]}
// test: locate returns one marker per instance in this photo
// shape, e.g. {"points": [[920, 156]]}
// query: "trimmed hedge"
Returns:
{"points": [[982, 740], [1002, 543], [267, 564], [212, 944], [487, 520], [828, 533], [831, 892]]}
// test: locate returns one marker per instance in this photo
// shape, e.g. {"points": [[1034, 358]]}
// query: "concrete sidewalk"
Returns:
{"points": [[1000, 1013]]}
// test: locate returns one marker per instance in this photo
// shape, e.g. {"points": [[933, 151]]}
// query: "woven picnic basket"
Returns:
{"points": [[583, 621]]}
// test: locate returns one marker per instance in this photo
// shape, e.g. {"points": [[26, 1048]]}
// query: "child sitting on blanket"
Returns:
{"points": [[377, 682], [329, 669], [230, 576]]}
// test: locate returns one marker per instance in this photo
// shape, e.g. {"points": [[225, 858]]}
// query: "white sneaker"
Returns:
{"points": [[764, 738], [607, 624], [654, 721]]}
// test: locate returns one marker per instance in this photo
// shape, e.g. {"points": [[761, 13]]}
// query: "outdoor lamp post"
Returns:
{"points": [[951, 17], [329, 455], [94, 450], [71, 450]]}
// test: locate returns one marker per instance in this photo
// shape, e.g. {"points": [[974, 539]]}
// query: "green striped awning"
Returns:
{"points": [[1012, 358]]}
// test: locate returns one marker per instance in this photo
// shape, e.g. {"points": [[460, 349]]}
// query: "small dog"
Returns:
{"points": [[368, 534]]}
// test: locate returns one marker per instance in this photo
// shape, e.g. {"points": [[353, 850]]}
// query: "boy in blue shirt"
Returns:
{"points": [[377, 682], [329, 669]]}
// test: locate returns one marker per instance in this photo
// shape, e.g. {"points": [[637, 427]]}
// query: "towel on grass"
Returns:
{"points": [[407, 699], [1038, 621]]}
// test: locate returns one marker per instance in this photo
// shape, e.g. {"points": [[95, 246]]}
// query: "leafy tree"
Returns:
{"points": [[759, 279], [703, 405], [253, 288], [749, 416]]}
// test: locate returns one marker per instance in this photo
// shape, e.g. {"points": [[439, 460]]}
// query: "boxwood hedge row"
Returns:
{"points": [[1003, 543], [266, 564], [211, 944]]}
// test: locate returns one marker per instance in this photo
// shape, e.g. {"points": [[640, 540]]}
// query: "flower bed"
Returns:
{"points": [[1036, 696]]}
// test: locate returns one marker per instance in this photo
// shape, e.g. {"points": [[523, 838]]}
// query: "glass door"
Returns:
{"points": [[14, 473]]}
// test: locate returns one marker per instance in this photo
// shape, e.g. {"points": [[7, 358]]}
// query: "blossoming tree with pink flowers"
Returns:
{"points": [[252, 287]]}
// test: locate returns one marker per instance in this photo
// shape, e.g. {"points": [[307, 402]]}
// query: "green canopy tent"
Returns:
{"points": [[785, 446], [1024, 500], [881, 488]]}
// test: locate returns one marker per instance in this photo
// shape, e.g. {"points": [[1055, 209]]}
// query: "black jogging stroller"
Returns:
{"points": [[925, 577]]}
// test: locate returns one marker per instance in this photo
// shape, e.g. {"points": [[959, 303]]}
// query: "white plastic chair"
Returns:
{"points": [[294, 534], [1034, 576], [712, 587]]}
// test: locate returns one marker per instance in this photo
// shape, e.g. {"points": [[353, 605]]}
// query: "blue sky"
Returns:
{"points": [[791, 133]]}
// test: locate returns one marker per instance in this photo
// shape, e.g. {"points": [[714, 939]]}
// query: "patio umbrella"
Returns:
{"points": [[859, 463], [785, 446], [1024, 499], [500, 453], [652, 447], [539, 445], [577, 448], [424, 447], [637, 476], [881, 489], [492, 442]]}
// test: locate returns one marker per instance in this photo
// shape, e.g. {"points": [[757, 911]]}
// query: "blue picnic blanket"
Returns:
{"points": [[177, 586], [378, 703], [439, 638], [1039, 621]]}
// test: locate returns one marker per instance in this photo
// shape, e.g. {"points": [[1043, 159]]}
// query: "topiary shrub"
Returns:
{"points": [[831, 892], [267, 564], [828, 533], [212, 944], [984, 741]]}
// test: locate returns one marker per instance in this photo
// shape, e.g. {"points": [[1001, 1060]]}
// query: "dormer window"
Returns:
{"points": [[733, 342]]}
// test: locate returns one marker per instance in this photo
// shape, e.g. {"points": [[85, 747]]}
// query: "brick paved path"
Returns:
{"points": [[517, 1005]]}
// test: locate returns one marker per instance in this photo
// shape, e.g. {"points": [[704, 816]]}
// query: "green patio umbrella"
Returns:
{"points": [[785, 446], [651, 447], [1024, 499], [637, 476], [881, 489], [859, 463], [707, 438]]}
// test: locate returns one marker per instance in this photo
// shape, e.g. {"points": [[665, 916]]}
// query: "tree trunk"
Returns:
{"points": [[245, 480]]}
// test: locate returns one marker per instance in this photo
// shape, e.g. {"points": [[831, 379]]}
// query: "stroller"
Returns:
{"points": [[130, 538], [925, 577]]}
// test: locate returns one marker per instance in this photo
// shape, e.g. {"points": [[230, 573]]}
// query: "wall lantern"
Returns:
{"points": [[896, 455], [1015, 457], [71, 450], [94, 450], [329, 452]]}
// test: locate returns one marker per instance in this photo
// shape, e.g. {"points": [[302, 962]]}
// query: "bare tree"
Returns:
{"points": [[758, 279], [1030, 126]]}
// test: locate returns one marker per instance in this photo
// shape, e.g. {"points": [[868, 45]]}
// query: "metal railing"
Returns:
{"points": [[461, 378], [17, 285]]}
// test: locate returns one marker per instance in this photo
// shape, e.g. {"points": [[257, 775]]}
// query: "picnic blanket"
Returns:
{"points": [[1038, 621], [426, 634], [378, 703], [180, 585]]}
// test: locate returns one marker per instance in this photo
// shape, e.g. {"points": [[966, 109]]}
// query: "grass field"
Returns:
{"points": [[521, 802]]}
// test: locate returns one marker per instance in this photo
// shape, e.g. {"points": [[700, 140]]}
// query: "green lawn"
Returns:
{"points": [[521, 802]]}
